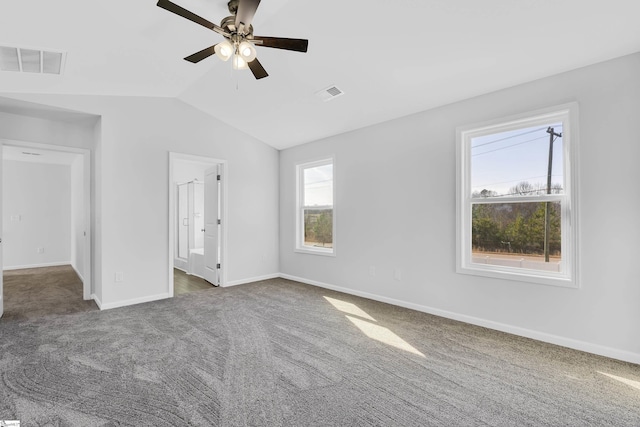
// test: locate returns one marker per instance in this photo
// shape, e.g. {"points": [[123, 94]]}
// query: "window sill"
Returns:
{"points": [[520, 275], [315, 251]]}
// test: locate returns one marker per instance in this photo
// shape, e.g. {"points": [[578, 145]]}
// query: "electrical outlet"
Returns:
{"points": [[16, 218], [40, 250], [372, 270], [119, 276], [397, 274]]}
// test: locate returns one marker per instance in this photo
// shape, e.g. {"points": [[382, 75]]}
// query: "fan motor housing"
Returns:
{"points": [[229, 25]]}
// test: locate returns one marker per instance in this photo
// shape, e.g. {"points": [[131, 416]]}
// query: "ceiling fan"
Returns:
{"points": [[239, 42]]}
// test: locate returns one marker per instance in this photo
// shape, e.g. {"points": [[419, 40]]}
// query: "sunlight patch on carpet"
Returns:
{"points": [[349, 308], [632, 383], [384, 335]]}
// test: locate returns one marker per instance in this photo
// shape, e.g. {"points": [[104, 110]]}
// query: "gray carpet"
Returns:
{"points": [[35, 292], [278, 353]]}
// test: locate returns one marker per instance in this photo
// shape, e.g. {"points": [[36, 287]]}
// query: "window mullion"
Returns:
{"points": [[317, 207]]}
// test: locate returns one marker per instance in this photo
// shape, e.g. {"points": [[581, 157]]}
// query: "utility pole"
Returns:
{"points": [[547, 206]]}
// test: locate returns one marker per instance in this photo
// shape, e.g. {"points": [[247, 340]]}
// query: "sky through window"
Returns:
{"points": [[500, 161]]}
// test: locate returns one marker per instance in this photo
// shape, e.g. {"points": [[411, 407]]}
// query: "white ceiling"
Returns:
{"points": [[391, 58]]}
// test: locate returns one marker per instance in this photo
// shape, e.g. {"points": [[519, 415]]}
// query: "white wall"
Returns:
{"points": [[78, 222], [70, 133], [185, 171], [136, 135], [36, 214], [395, 208]]}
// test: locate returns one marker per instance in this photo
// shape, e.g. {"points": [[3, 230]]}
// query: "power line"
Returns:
{"points": [[512, 136], [509, 146], [508, 137]]}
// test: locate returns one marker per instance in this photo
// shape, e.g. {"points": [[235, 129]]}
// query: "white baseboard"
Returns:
{"points": [[181, 264], [133, 301], [97, 300], [600, 350], [187, 272], [252, 279], [77, 273], [46, 264], [86, 291]]}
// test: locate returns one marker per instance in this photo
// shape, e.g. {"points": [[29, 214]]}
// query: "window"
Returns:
{"points": [[516, 193], [315, 214]]}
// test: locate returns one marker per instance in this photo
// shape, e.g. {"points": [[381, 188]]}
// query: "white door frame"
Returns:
{"points": [[1, 236], [212, 225], [173, 157], [86, 196]]}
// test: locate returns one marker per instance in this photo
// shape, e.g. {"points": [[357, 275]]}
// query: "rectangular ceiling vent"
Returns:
{"points": [[31, 60], [329, 93]]}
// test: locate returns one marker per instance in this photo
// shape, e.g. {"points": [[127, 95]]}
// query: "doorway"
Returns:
{"points": [[34, 237], [197, 195]]}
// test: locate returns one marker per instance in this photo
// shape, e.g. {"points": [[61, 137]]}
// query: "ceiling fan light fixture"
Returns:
{"points": [[237, 30], [247, 51], [239, 63], [224, 50]]}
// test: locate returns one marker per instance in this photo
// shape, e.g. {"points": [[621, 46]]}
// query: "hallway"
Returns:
{"points": [[36, 292]]}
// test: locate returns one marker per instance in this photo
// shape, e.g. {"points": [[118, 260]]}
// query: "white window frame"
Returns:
{"points": [[568, 277], [300, 208]]}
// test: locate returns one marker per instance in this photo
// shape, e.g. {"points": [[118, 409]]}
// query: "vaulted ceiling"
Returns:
{"points": [[390, 58]]}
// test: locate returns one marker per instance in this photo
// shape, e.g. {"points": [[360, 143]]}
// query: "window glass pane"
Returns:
{"points": [[516, 162], [318, 186], [318, 228], [513, 235]]}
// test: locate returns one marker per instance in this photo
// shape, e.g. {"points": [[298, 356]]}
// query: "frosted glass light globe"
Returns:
{"points": [[247, 51], [224, 50]]}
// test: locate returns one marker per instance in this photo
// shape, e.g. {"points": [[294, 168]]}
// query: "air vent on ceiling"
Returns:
{"points": [[31, 60], [329, 93]]}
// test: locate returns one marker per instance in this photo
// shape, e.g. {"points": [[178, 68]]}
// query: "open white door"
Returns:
{"points": [[211, 225], [1, 266]]}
